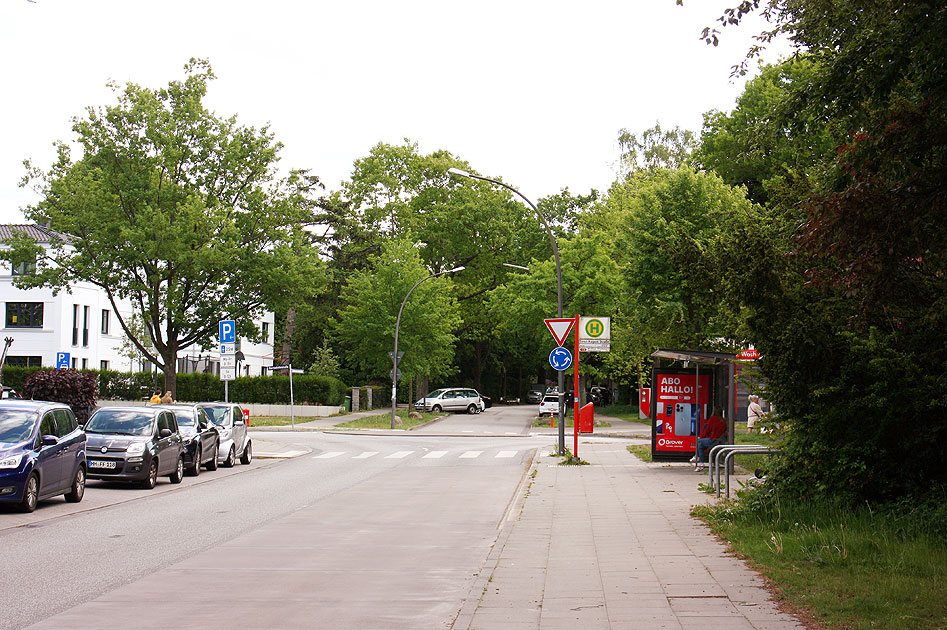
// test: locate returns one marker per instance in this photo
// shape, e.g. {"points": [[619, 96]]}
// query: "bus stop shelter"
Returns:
{"points": [[686, 385]]}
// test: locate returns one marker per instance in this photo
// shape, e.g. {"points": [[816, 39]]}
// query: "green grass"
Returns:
{"points": [[383, 421], [275, 421], [628, 413], [641, 451], [854, 569]]}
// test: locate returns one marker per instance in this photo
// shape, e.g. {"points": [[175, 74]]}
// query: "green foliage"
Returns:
{"points": [[177, 210], [15, 375], [325, 363], [72, 387]]}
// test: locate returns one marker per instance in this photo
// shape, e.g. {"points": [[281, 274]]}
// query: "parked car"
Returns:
{"points": [[201, 438], [452, 399], [600, 396], [549, 405], [8, 392], [136, 444], [234, 440], [42, 453], [487, 401], [534, 396]]}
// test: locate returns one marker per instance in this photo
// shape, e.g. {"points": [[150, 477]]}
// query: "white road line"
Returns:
{"points": [[366, 455], [329, 455], [507, 454], [399, 455], [471, 454], [435, 455], [466, 431], [512, 433]]}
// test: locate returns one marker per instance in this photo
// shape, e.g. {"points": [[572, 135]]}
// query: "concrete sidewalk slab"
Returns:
{"points": [[613, 545]]}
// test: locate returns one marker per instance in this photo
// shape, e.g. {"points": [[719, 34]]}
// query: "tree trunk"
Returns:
{"points": [[288, 332], [170, 357]]}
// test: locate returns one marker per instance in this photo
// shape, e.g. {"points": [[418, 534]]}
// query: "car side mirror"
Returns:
{"points": [[50, 440], [238, 422], [163, 433]]}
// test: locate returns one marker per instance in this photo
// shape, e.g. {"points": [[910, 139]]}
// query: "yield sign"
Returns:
{"points": [[559, 328]]}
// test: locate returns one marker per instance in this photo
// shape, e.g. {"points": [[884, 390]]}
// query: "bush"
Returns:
{"points": [[74, 388], [15, 375]]}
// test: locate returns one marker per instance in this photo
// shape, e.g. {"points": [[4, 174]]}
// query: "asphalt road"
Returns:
{"points": [[363, 531]]}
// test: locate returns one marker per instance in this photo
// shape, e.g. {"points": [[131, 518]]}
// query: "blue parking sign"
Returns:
{"points": [[228, 331], [62, 360]]}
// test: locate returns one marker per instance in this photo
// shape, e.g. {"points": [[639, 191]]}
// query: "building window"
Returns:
{"points": [[75, 363], [75, 324], [24, 361], [24, 314], [105, 320], [266, 332], [103, 365], [24, 269], [85, 364], [85, 326]]}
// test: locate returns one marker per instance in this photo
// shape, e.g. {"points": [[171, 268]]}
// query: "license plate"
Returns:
{"points": [[100, 464]]}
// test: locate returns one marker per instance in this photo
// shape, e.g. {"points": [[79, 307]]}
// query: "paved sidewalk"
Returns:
{"points": [[612, 545]]}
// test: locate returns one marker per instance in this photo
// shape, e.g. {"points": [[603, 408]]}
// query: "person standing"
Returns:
{"points": [[754, 413], [156, 397]]}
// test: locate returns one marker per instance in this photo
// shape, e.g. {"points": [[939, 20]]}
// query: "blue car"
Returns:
{"points": [[42, 453]]}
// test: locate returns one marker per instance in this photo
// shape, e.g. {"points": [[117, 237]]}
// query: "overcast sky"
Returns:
{"points": [[533, 92]]}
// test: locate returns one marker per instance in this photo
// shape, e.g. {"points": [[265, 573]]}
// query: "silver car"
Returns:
{"points": [[452, 399], [230, 424]]}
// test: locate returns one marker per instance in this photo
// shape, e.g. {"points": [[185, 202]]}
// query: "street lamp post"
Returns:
{"points": [[394, 355], [555, 252]]}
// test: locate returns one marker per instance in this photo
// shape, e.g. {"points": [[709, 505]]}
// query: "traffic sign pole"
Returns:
{"points": [[575, 393]]}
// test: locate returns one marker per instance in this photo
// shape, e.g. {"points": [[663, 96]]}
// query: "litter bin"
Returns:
{"points": [[348, 403]]}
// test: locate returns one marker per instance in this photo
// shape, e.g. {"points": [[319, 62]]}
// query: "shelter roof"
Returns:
{"points": [[696, 356]]}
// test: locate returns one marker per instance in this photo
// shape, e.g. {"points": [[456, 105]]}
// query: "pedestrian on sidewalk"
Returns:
{"points": [[711, 434], [754, 413]]}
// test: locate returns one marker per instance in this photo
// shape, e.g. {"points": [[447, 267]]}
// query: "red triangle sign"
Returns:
{"points": [[559, 328]]}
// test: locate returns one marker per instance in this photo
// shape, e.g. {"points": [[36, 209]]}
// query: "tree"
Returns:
{"points": [[655, 148], [365, 325], [180, 212]]}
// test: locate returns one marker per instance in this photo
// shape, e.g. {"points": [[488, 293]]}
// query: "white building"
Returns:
{"points": [[80, 321]]}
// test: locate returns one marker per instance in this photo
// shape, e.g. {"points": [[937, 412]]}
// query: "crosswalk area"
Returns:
{"points": [[422, 454]]}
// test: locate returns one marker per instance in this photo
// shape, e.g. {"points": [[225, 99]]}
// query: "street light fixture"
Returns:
{"points": [[394, 355], [555, 252], [512, 266]]}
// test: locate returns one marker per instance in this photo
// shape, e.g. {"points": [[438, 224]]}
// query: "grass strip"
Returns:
{"points": [[641, 451], [853, 569], [383, 421]]}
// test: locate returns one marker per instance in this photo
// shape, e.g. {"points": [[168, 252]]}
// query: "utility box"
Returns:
{"points": [[587, 418]]}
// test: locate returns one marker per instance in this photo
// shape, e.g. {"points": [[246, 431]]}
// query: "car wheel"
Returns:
{"points": [[212, 462], [436, 409], [472, 408], [77, 491], [195, 470], [149, 482], [178, 475], [231, 458], [30, 494], [247, 456]]}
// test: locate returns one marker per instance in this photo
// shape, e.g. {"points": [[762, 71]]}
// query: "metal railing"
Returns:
{"points": [[727, 451]]}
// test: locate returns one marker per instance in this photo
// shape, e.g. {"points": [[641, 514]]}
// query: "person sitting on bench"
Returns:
{"points": [[712, 433]]}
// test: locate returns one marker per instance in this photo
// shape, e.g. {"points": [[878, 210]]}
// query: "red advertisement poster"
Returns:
{"points": [[680, 405]]}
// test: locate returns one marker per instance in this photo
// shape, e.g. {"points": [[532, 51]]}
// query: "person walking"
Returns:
{"points": [[754, 413]]}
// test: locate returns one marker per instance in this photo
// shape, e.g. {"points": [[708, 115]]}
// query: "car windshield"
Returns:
{"points": [[16, 426], [121, 422], [436, 393], [218, 415]]}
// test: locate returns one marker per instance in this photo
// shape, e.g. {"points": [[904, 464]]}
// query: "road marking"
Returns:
{"points": [[366, 455], [466, 431], [471, 454], [512, 433], [329, 455], [507, 454], [435, 454], [398, 455], [280, 455]]}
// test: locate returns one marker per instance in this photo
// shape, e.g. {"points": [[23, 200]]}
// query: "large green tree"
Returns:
{"points": [[177, 210]]}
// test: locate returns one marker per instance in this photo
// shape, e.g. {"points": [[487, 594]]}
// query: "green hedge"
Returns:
{"points": [[307, 388]]}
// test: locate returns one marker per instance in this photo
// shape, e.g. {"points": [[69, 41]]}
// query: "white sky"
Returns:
{"points": [[533, 92]]}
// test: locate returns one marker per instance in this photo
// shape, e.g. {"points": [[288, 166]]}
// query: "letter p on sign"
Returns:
{"points": [[228, 331]]}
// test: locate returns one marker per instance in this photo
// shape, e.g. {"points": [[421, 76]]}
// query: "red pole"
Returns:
{"points": [[575, 392]]}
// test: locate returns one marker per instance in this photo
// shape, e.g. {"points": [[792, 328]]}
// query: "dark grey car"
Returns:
{"points": [[201, 438], [136, 444]]}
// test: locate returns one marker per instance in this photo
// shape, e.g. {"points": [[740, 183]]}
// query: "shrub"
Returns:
{"points": [[74, 388]]}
